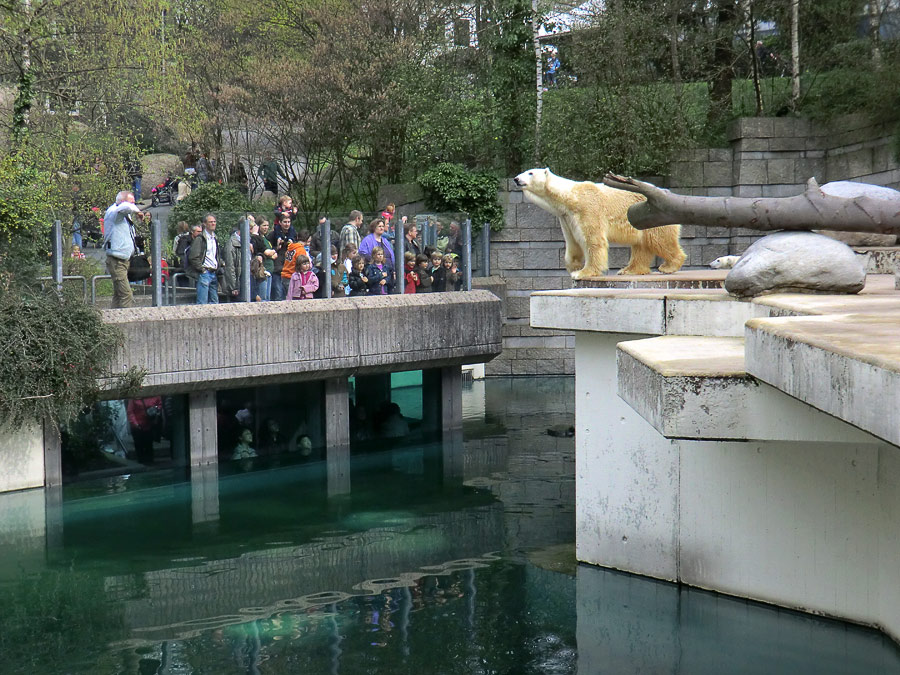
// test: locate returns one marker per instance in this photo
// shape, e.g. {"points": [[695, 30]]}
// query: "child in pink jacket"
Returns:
{"points": [[303, 282]]}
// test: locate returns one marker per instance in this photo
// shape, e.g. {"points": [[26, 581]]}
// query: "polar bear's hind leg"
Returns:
{"points": [[641, 259]]}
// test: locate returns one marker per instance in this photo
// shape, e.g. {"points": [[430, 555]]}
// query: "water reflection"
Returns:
{"points": [[442, 558]]}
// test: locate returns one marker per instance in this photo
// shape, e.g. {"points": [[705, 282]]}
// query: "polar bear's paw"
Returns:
{"points": [[634, 270]]}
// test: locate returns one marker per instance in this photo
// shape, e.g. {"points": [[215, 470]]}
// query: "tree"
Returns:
{"points": [[812, 210]]}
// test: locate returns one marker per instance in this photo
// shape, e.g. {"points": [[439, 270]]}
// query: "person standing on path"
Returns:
{"points": [[118, 242], [205, 262]]}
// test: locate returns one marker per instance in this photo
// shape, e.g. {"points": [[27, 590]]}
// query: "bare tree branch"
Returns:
{"points": [[812, 210]]}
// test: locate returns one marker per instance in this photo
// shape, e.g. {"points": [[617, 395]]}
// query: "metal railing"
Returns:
{"points": [[165, 291]]}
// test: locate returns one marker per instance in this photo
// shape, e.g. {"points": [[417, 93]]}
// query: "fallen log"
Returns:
{"points": [[812, 210]]}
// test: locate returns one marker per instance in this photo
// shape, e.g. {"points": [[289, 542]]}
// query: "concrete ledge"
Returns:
{"points": [[202, 347], [690, 279], [697, 388], [648, 312], [845, 365]]}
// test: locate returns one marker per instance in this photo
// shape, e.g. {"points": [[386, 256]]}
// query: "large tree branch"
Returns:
{"points": [[812, 210]]}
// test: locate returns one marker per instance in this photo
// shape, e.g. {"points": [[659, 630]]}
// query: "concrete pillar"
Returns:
{"points": [[337, 464], [52, 455], [453, 455], [337, 412], [204, 434], [53, 518], [451, 398], [442, 399], [205, 494], [337, 434]]}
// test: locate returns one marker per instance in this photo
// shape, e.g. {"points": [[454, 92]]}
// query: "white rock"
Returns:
{"points": [[796, 262]]}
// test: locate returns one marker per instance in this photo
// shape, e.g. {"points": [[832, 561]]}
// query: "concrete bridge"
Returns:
{"points": [[201, 349]]}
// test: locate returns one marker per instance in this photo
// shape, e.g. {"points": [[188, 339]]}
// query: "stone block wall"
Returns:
{"points": [[766, 157]]}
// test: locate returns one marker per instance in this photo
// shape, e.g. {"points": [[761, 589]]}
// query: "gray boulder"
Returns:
{"points": [[796, 262], [850, 189]]}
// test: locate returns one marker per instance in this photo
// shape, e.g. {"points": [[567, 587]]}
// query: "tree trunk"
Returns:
{"points": [[875, 31], [754, 59], [812, 210], [539, 80], [24, 87], [673, 48], [795, 54], [723, 61]]}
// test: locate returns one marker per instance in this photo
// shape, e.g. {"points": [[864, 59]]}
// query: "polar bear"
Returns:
{"points": [[592, 215]]}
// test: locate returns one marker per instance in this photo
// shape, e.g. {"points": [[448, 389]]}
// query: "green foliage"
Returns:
{"points": [[25, 212], [511, 81], [225, 202], [56, 348], [450, 187], [629, 130]]}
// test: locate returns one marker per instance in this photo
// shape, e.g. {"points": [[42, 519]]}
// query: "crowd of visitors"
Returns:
{"points": [[287, 263]]}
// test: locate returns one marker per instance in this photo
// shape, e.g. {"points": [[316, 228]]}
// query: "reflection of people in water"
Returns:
{"points": [[243, 450], [272, 442], [145, 420], [393, 424]]}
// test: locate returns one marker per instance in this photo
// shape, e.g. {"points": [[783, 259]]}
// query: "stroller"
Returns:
{"points": [[165, 192]]}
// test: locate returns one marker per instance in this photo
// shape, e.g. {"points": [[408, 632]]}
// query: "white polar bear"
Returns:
{"points": [[591, 216]]}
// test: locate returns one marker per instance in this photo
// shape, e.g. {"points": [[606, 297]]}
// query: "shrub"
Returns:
{"points": [[225, 202], [451, 187]]}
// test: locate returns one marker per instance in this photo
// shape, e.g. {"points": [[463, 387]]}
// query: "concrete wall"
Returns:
{"points": [[811, 526], [770, 157], [22, 458], [208, 347]]}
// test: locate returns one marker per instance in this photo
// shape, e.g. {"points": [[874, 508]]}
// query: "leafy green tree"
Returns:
{"points": [[56, 347]]}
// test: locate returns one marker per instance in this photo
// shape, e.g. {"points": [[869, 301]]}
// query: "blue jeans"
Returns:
{"points": [[279, 290], [261, 288], [207, 289], [136, 188]]}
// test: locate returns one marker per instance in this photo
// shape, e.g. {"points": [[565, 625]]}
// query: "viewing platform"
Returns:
{"points": [[744, 446], [290, 363]]}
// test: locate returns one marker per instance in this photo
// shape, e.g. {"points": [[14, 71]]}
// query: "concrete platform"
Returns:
{"points": [[645, 311], [698, 388], [880, 259], [702, 470], [846, 365]]}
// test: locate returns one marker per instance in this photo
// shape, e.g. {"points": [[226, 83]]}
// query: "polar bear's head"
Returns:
{"points": [[725, 262], [533, 179]]}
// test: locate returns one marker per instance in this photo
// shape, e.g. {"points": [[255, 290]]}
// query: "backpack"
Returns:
{"points": [[257, 269], [139, 268]]}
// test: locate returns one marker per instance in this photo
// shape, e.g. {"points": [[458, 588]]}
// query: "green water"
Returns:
{"points": [[453, 559]]}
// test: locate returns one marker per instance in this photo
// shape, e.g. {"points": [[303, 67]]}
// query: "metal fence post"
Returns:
{"points": [[486, 250], [245, 259], [57, 260], [467, 252], [156, 255], [399, 267], [325, 264]]}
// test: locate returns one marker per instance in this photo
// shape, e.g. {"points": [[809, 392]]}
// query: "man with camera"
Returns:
{"points": [[118, 242]]}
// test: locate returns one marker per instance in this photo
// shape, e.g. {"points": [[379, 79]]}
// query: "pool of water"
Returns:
{"points": [[452, 558]]}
